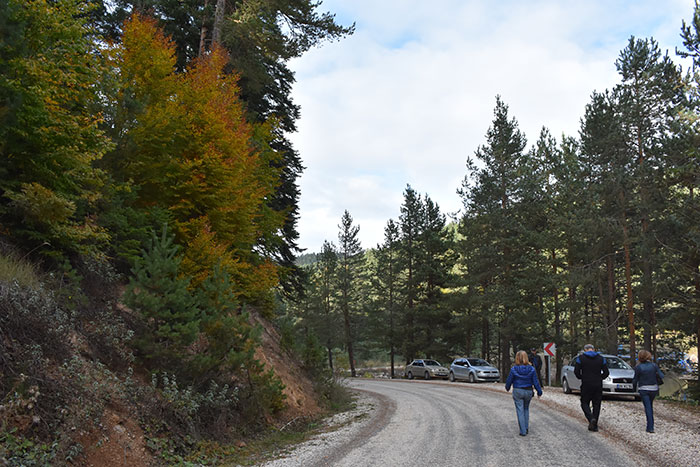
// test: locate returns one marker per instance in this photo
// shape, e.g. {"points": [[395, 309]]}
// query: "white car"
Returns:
{"points": [[473, 370], [619, 381]]}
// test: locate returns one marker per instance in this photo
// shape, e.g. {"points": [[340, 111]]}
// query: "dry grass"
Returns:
{"points": [[15, 269]]}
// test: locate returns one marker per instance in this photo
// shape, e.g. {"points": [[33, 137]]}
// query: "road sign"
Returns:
{"points": [[550, 349]]}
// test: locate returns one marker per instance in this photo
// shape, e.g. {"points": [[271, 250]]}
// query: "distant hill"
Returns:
{"points": [[307, 259]]}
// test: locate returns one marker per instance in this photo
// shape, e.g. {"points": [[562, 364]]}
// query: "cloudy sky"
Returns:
{"points": [[408, 97]]}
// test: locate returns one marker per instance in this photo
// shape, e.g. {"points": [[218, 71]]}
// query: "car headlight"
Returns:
{"points": [[608, 380]]}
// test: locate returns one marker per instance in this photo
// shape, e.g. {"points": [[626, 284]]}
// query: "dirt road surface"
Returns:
{"points": [[433, 423]]}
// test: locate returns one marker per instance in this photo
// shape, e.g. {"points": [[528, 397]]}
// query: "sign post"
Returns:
{"points": [[550, 350]]}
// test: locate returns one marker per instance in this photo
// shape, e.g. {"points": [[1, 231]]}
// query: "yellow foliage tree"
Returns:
{"points": [[186, 146]]}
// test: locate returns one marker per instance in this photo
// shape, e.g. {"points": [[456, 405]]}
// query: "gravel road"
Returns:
{"points": [[408, 423]]}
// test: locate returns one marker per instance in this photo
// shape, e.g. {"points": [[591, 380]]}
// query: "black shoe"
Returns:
{"points": [[650, 431], [593, 425], [522, 434]]}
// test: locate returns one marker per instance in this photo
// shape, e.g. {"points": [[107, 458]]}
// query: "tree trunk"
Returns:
{"points": [[485, 354], [572, 302], [203, 33], [348, 341], [218, 20], [628, 283], [468, 340], [392, 347], [610, 324], [612, 304], [696, 281]]}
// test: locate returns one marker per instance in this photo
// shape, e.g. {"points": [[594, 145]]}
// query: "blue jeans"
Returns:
{"points": [[648, 401], [522, 398]]}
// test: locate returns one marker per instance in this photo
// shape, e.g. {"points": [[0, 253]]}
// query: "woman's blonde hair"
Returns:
{"points": [[521, 358], [644, 356]]}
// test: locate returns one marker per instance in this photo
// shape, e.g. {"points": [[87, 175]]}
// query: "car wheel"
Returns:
{"points": [[410, 375], [452, 377], [565, 386], [472, 378], [427, 375]]}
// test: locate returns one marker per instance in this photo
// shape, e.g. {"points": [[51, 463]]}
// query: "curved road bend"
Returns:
{"points": [[445, 424]]}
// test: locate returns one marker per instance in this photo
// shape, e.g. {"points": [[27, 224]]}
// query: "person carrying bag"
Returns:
{"points": [[647, 379]]}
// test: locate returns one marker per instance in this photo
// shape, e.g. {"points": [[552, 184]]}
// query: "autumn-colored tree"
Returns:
{"points": [[49, 135], [184, 144]]}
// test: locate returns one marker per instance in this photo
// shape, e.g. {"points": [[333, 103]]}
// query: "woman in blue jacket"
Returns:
{"points": [[646, 378], [523, 377]]}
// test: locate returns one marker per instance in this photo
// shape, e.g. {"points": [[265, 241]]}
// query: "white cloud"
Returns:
{"points": [[410, 95]]}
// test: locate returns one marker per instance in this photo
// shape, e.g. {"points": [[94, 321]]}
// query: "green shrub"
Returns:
{"points": [[32, 317], [18, 450]]}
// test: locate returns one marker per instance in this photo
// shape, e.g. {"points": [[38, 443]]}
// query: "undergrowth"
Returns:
{"points": [[67, 355]]}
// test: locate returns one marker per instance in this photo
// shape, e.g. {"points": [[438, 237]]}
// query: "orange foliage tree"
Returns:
{"points": [[184, 143]]}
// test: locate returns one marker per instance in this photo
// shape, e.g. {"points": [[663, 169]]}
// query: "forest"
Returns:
{"points": [[579, 239], [149, 202]]}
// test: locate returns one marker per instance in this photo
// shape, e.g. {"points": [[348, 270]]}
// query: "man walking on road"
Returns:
{"points": [[591, 368]]}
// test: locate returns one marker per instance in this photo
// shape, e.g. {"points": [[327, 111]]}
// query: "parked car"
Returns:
{"points": [[473, 370], [426, 369], [618, 382]]}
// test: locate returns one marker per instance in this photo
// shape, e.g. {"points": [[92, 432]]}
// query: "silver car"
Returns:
{"points": [[426, 369], [619, 381], [473, 370]]}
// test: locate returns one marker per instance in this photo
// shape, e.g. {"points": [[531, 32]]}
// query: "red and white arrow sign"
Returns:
{"points": [[550, 348]]}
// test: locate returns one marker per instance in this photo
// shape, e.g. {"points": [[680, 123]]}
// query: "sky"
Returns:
{"points": [[410, 95]]}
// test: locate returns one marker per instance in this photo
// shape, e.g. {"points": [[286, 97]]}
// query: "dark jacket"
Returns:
{"points": [[645, 374], [591, 368], [536, 361], [523, 377]]}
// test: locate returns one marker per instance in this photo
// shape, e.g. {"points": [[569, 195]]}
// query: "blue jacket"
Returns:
{"points": [[523, 377], [645, 374]]}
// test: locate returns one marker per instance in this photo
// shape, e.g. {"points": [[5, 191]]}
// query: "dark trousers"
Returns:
{"points": [[648, 401], [591, 395]]}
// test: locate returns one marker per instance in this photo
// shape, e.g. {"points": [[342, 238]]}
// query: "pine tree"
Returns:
{"points": [[326, 277], [163, 299], [349, 251], [648, 97], [409, 223], [491, 206], [387, 285]]}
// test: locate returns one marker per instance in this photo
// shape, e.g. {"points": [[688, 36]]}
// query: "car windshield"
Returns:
{"points": [[617, 364], [478, 362], [431, 363]]}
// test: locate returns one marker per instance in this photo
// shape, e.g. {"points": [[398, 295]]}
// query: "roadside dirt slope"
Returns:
{"points": [[301, 397]]}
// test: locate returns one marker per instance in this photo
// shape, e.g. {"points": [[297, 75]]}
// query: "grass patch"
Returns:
{"points": [[269, 445], [14, 269], [276, 443]]}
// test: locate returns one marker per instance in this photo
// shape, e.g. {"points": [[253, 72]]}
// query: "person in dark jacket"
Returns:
{"points": [[591, 368], [646, 379], [536, 362], [522, 377]]}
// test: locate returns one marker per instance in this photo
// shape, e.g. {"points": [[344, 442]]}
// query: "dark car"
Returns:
{"points": [[473, 370]]}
